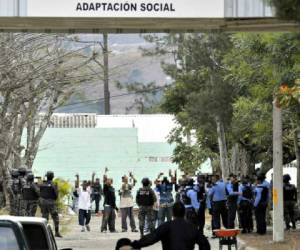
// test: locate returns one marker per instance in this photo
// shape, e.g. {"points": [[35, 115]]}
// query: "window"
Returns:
{"points": [[8, 240], [36, 237]]}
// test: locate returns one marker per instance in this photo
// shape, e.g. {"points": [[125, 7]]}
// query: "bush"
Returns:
{"points": [[287, 9], [64, 190]]}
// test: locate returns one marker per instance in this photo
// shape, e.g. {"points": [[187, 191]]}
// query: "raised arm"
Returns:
{"points": [[134, 181], [77, 181], [93, 178]]}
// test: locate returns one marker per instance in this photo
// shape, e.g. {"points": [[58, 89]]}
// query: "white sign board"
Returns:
{"points": [[126, 8]]}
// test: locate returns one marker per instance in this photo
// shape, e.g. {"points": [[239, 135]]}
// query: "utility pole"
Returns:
{"points": [[106, 75], [278, 223]]}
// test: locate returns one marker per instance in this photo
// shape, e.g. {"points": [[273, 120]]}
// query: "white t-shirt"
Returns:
{"points": [[84, 199]]}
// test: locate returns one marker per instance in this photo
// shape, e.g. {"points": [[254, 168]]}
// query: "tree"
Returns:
{"points": [[257, 66], [289, 99], [287, 9], [201, 97], [37, 75]]}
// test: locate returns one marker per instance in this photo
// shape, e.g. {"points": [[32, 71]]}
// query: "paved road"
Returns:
{"points": [[95, 240]]}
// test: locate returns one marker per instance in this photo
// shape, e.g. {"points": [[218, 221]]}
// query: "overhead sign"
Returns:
{"points": [[127, 8]]}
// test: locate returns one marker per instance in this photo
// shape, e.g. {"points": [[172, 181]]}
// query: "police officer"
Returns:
{"points": [[49, 194], [218, 197], [30, 196], [260, 205], [14, 193], [232, 190], [191, 203], [22, 182], [245, 205], [290, 200], [145, 199]]}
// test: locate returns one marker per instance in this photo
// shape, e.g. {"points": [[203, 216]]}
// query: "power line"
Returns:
{"points": [[117, 96]]}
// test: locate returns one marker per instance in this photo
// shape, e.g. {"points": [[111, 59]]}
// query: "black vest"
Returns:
{"points": [[47, 191], [145, 197], [289, 192], [29, 192]]}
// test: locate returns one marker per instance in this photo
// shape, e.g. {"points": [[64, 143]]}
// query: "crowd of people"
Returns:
{"points": [[241, 199], [25, 195], [226, 200]]}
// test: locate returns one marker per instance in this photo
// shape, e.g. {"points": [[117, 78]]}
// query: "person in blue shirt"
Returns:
{"points": [[260, 205], [165, 200], [245, 205], [218, 197], [191, 203], [232, 189]]}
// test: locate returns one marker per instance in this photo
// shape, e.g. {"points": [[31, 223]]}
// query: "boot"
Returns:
{"points": [[57, 234]]}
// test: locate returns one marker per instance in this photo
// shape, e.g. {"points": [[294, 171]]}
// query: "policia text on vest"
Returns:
{"points": [[125, 7]]}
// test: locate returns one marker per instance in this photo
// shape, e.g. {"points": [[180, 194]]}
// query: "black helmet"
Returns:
{"points": [[14, 173], [50, 175], [30, 177], [145, 182], [22, 171], [286, 178]]}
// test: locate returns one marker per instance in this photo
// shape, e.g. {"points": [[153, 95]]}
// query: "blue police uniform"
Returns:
{"points": [[191, 203], [245, 207], [260, 207], [218, 197], [232, 200]]}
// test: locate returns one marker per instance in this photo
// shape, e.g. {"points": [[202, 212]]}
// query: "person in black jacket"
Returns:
{"points": [[289, 201], [48, 197], [175, 235], [109, 215], [145, 199]]}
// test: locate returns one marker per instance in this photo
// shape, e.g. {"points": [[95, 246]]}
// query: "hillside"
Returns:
{"points": [[127, 65]]}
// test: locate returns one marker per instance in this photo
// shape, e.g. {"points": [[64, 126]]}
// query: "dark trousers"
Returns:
{"points": [[97, 199], [30, 207], [127, 212], [245, 214], [164, 213], [260, 217], [232, 209], [191, 216], [201, 216], [289, 214], [49, 207], [109, 218], [146, 215], [219, 211], [84, 217]]}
